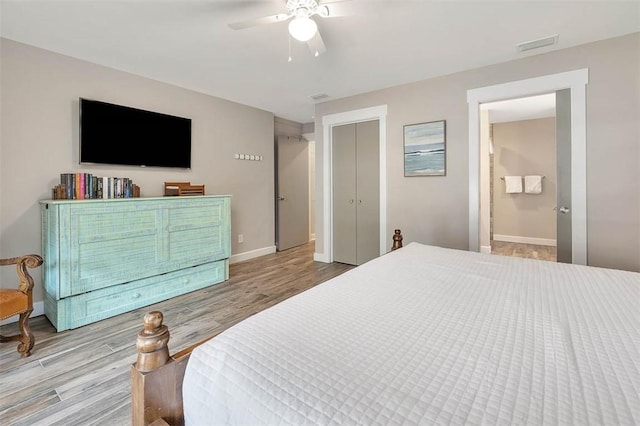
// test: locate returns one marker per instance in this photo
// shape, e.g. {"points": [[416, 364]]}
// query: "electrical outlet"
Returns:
{"points": [[240, 238]]}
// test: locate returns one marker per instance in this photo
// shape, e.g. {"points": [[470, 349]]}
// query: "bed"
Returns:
{"points": [[421, 335]]}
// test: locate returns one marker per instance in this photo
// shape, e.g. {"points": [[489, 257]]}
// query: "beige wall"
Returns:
{"points": [[525, 148], [39, 140], [434, 210], [284, 127]]}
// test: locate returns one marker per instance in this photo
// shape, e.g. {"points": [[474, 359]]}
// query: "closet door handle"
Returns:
{"points": [[359, 201], [350, 201]]}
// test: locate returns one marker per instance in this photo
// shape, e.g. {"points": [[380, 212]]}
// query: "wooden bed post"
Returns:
{"points": [[156, 378], [397, 240]]}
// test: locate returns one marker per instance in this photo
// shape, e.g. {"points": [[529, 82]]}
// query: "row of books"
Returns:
{"points": [[84, 186]]}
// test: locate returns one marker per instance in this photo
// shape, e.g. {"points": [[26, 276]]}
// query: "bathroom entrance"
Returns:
{"points": [[522, 180]]}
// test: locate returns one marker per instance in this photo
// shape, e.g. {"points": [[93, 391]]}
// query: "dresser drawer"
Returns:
{"points": [[96, 305]]}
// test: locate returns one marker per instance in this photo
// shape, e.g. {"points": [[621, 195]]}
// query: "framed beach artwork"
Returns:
{"points": [[425, 149]]}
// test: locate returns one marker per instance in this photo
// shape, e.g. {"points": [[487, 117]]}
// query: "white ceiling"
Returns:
{"points": [[376, 44], [529, 108]]}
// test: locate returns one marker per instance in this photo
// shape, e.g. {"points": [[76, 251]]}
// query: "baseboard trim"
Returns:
{"points": [[320, 257], [251, 254], [38, 309], [485, 249], [525, 240]]}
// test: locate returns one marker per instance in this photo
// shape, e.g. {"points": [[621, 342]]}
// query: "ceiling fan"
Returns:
{"points": [[301, 27]]}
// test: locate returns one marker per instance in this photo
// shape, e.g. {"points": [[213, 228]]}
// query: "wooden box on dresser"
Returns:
{"points": [[108, 256]]}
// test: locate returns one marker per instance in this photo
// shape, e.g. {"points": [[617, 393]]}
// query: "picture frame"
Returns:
{"points": [[425, 149]]}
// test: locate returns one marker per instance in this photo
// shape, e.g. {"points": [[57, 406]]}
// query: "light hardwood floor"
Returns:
{"points": [[81, 376], [531, 251]]}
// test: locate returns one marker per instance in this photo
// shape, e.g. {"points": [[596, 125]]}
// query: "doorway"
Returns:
{"points": [[521, 143], [576, 82]]}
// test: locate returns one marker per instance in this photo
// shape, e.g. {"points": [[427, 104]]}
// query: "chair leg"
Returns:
{"points": [[27, 340]]}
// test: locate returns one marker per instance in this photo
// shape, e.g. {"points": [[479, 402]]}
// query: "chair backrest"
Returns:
{"points": [[22, 263]]}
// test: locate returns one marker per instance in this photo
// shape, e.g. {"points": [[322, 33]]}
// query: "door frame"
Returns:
{"points": [[328, 122], [576, 81]]}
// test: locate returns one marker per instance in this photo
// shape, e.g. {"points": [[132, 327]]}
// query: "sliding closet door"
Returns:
{"points": [[368, 190], [344, 193]]}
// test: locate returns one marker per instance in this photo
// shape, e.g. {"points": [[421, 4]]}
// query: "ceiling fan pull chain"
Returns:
{"points": [[290, 58]]}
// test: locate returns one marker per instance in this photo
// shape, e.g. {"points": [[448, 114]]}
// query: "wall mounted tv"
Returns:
{"points": [[120, 135]]}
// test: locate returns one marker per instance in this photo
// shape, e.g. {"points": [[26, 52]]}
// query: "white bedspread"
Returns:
{"points": [[426, 335]]}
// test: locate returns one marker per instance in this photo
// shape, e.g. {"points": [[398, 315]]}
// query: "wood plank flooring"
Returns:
{"points": [[530, 251], [81, 376]]}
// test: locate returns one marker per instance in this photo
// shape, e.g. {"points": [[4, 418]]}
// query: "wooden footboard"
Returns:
{"points": [[156, 377]]}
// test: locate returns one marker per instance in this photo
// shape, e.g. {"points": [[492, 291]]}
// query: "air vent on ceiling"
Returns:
{"points": [[319, 96], [535, 44]]}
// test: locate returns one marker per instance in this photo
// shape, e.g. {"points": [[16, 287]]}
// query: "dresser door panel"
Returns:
{"points": [[113, 245], [197, 234]]}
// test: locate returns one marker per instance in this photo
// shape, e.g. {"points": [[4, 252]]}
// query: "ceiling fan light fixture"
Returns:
{"points": [[303, 28]]}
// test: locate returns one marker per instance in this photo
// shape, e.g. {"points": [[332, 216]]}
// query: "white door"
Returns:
{"points": [[292, 192]]}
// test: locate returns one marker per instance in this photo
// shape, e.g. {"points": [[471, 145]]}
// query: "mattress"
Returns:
{"points": [[426, 335]]}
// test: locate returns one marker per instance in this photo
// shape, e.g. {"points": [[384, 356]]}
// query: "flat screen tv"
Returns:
{"points": [[120, 135]]}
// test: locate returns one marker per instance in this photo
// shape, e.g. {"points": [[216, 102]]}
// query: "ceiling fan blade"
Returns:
{"points": [[260, 21], [316, 45]]}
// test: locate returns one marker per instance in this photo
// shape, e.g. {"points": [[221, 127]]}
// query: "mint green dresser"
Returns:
{"points": [[106, 257]]}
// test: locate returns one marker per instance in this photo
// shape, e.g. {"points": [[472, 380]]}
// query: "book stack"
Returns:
{"points": [[84, 186]]}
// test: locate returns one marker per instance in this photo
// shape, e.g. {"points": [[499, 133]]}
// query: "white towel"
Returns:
{"points": [[513, 184], [533, 184]]}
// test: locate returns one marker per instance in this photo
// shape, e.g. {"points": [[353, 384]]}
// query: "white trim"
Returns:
{"points": [[38, 309], [321, 257], [251, 254], [485, 249], [574, 80], [525, 240], [338, 119]]}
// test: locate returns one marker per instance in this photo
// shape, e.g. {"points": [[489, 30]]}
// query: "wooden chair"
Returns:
{"points": [[20, 301]]}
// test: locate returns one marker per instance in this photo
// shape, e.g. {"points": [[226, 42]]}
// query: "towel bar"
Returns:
{"points": [[502, 177]]}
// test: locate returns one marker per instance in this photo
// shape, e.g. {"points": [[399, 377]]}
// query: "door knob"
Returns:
{"points": [[564, 210]]}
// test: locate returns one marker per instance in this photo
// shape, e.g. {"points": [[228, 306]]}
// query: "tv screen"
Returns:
{"points": [[120, 135]]}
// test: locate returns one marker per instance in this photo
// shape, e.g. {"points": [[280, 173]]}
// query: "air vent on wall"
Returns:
{"points": [[535, 44], [319, 96]]}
